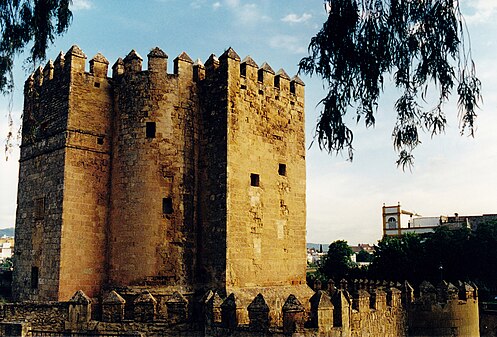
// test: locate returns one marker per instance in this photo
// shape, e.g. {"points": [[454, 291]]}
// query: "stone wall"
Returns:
{"points": [[186, 181], [362, 309], [152, 229], [265, 176], [41, 184]]}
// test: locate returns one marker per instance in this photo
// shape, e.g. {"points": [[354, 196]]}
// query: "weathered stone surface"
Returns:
{"points": [[113, 307]]}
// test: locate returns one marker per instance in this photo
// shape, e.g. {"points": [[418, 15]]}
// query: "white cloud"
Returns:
{"points": [[294, 18], [246, 13], [289, 43], [484, 11], [81, 5], [216, 5]]}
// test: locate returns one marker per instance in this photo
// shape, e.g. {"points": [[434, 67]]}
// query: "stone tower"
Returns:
{"points": [[64, 179], [175, 182]]}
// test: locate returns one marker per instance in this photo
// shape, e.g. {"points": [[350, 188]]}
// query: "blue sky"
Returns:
{"points": [[344, 199]]}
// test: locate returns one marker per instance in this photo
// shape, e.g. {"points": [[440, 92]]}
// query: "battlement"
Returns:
{"points": [[365, 307], [74, 61]]}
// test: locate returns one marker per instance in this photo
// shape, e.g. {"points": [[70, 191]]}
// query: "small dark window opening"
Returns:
{"points": [[243, 69], [260, 75], [96, 85], [292, 87], [282, 169], [243, 87], [254, 179], [167, 205], [43, 127], [261, 92], [39, 208], [277, 81], [100, 140], [34, 277], [150, 129]]}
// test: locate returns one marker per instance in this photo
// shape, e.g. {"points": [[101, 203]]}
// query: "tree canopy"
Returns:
{"points": [[23, 24], [33, 23], [337, 263], [423, 43]]}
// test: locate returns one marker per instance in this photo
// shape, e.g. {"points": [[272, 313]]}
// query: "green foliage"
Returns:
{"points": [[451, 254], [399, 258], [29, 22], [337, 263], [420, 42], [364, 256], [7, 264]]}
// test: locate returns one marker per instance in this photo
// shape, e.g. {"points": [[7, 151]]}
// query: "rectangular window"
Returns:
{"points": [[254, 179], [34, 277], [150, 129], [39, 208], [282, 169], [167, 205], [100, 140]]}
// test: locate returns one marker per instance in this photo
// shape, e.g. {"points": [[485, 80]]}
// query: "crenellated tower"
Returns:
{"points": [[152, 227], [168, 182], [63, 196]]}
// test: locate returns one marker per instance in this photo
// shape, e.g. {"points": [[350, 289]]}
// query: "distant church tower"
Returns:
{"points": [[167, 182]]}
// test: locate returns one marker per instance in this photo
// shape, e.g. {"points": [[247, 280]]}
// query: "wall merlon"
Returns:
{"points": [[133, 62], [99, 66], [198, 71], [297, 86], [29, 83], [248, 69], [282, 80], [118, 68], [59, 61], [183, 65], [211, 64], [265, 75], [48, 70], [229, 53], [75, 59], [157, 61], [38, 76]]}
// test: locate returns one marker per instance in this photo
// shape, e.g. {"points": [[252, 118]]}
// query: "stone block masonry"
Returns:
{"points": [[153, 203], [166, 182]]}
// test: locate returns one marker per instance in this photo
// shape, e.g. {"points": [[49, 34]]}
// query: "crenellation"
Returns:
{"points": [[99, 66], [118, 68], [74, 59], [48, 71], [166, 187], [282, 80], [198, 71], [265, 75], [157, 61], [38, 76], [59, 62], [211, 65], [183, 67], [297, 87], [132, 63]]}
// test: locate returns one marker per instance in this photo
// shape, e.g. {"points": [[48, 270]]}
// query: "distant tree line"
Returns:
{"points": [[449, 254]]}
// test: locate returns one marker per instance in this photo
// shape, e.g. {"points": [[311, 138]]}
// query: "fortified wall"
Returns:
{"points": [[153, 203], [363, 308], [167, 182]]}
